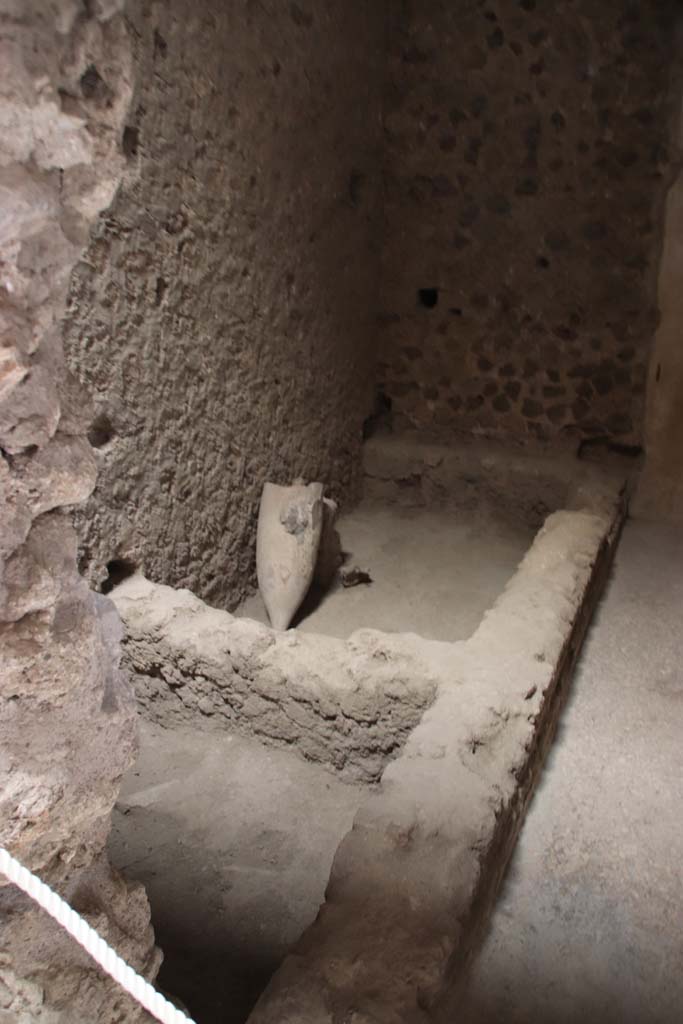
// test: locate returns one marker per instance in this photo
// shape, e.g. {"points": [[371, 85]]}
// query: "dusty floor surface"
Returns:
{"points": [[434, 571], [589, 926], [234, 843]]}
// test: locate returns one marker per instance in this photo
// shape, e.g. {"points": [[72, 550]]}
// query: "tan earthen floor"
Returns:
{"points": [[233, 842], [434, 572]]}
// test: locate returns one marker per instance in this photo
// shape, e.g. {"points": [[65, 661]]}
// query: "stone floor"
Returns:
{"points": [[234, 844], [434, 572], [589, 926]]}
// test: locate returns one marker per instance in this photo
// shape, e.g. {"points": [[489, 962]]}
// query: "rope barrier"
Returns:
{"points": [[141, 990]]}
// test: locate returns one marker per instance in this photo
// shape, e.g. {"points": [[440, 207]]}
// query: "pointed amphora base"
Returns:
{"points": [[287, 541]]}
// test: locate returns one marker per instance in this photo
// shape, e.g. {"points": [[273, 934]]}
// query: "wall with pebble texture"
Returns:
{"points": [[223, 315], [527, 160]]}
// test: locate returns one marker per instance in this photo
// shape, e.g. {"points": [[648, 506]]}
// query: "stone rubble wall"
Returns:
{"points": [[67, 714], [527, 156]]}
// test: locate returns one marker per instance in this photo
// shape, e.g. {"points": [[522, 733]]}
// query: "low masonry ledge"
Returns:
{"points": [[414, 880], [349, 705], [526, 483]]}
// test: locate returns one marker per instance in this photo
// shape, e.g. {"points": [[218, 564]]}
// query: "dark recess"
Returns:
{"points": [[118, 570], [101, 431], [428, 297], [130, 141], [379, 418]]}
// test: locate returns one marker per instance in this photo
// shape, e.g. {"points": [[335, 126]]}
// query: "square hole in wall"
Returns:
{"points": [[428, 297]]}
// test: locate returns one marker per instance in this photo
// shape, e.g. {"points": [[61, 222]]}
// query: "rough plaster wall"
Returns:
{"points": [[526, 168], [660, 493], [66, 712], [222, 315]]}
